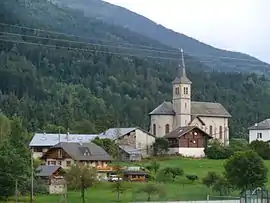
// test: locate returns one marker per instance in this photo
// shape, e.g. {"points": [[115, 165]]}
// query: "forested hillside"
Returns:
{"points": [[216, 58], [54, 83]]}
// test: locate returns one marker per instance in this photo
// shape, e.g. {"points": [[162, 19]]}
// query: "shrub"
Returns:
{"points": [[192, 178], [218, 151]]}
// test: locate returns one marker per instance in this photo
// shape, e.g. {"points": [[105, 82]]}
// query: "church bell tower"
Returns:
{"points": [[181, 96]]}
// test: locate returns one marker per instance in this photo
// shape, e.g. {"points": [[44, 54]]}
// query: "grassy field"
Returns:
{"points": [[181, 189]]}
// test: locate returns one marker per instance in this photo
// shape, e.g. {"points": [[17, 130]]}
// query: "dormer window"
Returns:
{"points": [[86, 153]]}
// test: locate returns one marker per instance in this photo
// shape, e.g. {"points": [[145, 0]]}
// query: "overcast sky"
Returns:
{"points": [[238, 25]]}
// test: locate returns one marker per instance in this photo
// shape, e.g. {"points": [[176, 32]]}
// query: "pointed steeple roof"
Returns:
{"points": [[181, 77]]}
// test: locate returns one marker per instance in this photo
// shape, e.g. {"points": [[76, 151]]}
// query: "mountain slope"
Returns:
{"points": [[56, 84], [216, 58]]}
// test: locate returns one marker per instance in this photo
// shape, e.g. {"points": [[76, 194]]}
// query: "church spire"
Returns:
{"points": [[181, 77], [183, 64]]}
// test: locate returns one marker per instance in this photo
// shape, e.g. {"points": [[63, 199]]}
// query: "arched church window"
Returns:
{"points": [[154, 129], [220, 132], [185, 90], [167, 128], [177, 90], [210, 130]]}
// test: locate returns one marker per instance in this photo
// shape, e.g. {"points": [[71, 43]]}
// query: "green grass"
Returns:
{"points": [[181, 189]]}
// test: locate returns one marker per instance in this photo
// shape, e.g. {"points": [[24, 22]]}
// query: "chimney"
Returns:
{"points": [[59, 139], [67, 135]]}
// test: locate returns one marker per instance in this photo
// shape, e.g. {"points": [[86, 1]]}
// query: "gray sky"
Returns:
{"points": [[238, 25]]}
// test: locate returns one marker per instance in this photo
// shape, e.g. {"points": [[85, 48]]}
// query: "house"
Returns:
{"points": [[210, 117], [53, 177], [188, 141], [135, 138], [66, 154], [41, 142], [128, 153], [260, 131]]}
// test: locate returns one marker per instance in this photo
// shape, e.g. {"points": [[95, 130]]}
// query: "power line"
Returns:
{"points": [[132, 45], [86, 43], [88, 50], [109, 52], [80, 37]]}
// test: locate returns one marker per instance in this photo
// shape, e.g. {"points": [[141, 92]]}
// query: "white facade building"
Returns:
{"points": [[260, 131]]}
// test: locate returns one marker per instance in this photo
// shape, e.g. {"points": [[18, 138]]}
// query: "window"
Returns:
{"points": [[60, 155], [68, 163], [38, 149], [185, 90], [185, 105], [154, 129], [59, 163], [259, 135], [167, 128], [210, 130], [220, 132], [177, 90], [51, 163]]}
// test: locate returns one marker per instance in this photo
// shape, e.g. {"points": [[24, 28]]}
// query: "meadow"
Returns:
{"points": [[181, 189]]}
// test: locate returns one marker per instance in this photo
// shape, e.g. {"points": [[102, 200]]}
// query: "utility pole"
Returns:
{"points": [[16, 190], [65, 194], [82, 189], [32, 179]]}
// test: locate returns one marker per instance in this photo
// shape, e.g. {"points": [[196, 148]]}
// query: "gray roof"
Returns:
{"points": [[180, 131], [263, 125], [45, 171], [51, 139], [77, 151], [197, 109], [112, 133], [130, 150]]}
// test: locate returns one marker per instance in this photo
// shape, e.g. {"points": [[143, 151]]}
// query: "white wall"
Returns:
{"points": [[39, 154], [161, 121], [253, 135], [143, 140], [215, 122], [188, 152]]}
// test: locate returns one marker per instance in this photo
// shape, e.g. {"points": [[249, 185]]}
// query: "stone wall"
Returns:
{"points": [[129, 139]]}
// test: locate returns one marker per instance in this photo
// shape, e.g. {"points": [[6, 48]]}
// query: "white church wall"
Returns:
{"points": [[215, 122], [160, 121]]}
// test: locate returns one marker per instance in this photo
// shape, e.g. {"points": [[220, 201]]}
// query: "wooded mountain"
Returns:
{"points": [[217, 59], [54, 83]]}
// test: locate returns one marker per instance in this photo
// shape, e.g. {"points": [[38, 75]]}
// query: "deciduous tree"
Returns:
{"points": [[246, 170]]}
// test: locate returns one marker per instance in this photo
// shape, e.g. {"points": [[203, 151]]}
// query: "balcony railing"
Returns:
{"points": [[106, 168]]}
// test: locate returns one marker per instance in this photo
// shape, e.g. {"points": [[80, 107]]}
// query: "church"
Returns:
{"points": [[211, 118]]}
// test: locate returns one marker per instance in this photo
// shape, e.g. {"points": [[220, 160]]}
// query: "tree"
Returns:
{"points": [[262, 148], [160, 146], [150, 189], [169, 174], [222, 186], [217, 150], [4, 127], [81, 177], [154, 166], [246, 170], [210, 179], [119, 187], [108, 145]]}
